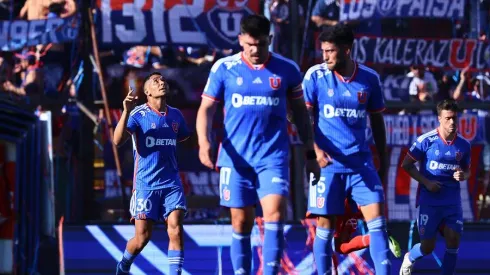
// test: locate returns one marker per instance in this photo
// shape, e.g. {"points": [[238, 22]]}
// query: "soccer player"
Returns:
{"points": [[444, 158], [255, 87], [339, 94], [155, 128]]}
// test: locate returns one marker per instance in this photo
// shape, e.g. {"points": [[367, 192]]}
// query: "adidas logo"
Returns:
{"points": [[386, 262], [257, 81], [346, 93], [240, 271], [165, 125], [448, 153]]}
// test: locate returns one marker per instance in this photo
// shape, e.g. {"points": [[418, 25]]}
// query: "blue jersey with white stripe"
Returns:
{"points": [[255, 102], [439, 159], [340, 112], [155, 136]]}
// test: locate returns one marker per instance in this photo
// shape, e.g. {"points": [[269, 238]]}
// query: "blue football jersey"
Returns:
{"points": [[155, 136], [439, 159], [340, 114], [255, 105]]}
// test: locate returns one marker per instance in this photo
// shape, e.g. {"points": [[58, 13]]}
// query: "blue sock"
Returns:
{"points": [[415, 253], [175, 262], [273, 245], [241, 253], [449, 263], [322, 250], [378, 247], [125, 264]]}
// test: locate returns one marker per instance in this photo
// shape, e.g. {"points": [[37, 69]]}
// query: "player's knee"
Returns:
{"points": [[372, 211], [326, 222], [174, 231], [242, 224], [452, 241], [142, 238], [273, 216], [427, 246]]}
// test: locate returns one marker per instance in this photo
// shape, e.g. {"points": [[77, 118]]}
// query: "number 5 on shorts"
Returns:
{"points": [[319, 188]]}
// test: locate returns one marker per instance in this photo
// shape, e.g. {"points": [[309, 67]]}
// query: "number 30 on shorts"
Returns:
{"points": [[140, 205]]}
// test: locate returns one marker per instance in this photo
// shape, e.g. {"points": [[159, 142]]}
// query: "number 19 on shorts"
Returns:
{"points": [[316, 192]]}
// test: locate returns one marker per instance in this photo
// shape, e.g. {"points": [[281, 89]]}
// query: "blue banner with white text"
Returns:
{"points": [[403, 130], [17, 34], [215, 23], [441, 53], [362, 10]]}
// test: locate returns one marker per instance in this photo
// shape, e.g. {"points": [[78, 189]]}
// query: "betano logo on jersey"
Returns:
{"points": [[151, 141], [238, 100], [330, 111], [434, 165]]}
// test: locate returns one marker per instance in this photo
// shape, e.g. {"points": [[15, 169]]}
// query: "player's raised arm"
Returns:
{"points": [[121, 133]]}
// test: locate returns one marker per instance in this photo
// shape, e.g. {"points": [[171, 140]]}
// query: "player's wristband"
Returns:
{"points": [[311, 154]]}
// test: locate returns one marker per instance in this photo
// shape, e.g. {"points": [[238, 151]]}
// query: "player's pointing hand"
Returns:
{"points": [[130, 100]]}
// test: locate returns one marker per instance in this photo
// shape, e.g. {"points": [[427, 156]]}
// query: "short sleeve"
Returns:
{"points": [[295, 89], [132, 124], [183, 132], [214, 89], [376, 101], [417, 151], [309, 88]]}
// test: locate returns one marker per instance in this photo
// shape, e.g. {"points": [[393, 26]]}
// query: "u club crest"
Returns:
{"points": [[175, 126], [224, 17]]}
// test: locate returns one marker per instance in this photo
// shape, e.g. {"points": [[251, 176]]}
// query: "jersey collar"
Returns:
{"points": [[351, 78], [447, 142], [252, 66], [156, 111]]}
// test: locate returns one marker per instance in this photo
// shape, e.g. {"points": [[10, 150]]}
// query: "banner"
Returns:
{"points": [[215, 23], [17, 34], [375, 9], [441, 53], [402, 130], [395, 87]]}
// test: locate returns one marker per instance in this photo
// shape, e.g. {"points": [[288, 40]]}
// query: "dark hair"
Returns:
{"points": [[57, 8], [448, 105], [152, 74], [340, 34], [148, 78], [255, 25]]}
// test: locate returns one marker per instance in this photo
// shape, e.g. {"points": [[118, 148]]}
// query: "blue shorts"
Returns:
{"points": [[328, 196], [244, 186], [431, 217], [157, 204]]}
